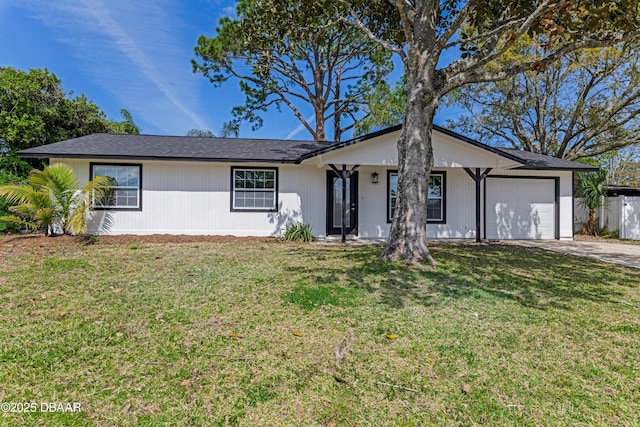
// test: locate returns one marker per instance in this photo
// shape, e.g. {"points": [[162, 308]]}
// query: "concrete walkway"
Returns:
{"points": [[617, 253]]}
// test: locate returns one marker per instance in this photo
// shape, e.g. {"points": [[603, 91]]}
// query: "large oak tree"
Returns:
{"points": [[425, 34], [584, 105]]}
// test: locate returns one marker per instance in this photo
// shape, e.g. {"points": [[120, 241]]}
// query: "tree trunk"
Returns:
{"points": [[320, 130], [591, 223], [408, 235]]}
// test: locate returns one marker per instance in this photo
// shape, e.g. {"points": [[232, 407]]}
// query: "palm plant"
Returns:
{"points": [[51, 199], [590, 191]]}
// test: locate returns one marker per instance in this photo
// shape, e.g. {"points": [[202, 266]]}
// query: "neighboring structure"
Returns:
{"points": [[620, 211], [252, 187]]}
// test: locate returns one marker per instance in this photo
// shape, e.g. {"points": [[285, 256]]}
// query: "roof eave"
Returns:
{"points": [[568, 169], [156, 158]]}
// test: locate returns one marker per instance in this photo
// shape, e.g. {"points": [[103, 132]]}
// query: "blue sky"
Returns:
{"points": [[134, 55]]}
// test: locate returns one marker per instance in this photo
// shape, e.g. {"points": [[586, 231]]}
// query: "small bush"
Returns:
{"points": [[298, 232], [7, 177], [610, 234]]}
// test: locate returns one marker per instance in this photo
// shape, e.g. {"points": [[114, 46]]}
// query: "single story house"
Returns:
{"points": [[253, 187]]}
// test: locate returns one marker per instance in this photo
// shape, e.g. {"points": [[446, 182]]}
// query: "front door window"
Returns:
{"points": [[338, 205]]}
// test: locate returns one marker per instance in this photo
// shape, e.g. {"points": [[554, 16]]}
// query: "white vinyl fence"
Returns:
{"points": [[629, 217], [620, 213]]}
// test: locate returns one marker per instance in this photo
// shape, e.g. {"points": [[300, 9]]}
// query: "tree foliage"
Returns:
{"points": [[590, 193], [228, 131], [126, 126], [292, 53], [6, 177], [584, 105], [35, 110], [447, 44], [201, 133], [385, 107], [622, 166], [52, 200]]}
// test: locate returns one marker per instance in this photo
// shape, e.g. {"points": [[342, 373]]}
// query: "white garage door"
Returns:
{"points": [[630, 226], [520, 208]]}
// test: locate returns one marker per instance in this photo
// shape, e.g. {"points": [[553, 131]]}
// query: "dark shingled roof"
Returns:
{"points": [[187, 148], [152, 147], [621, 190], [540, 161]]}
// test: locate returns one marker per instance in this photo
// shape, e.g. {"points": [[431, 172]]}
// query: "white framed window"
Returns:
{"points": [[126, 187], [254, 189], [436, 202]]}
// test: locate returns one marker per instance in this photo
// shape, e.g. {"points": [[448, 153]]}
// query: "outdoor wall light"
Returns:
{"points": [[374, 178]]}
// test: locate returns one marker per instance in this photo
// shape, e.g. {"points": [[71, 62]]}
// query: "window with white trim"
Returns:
{"points": [[254, 189], [435, 198], [126, 186]]}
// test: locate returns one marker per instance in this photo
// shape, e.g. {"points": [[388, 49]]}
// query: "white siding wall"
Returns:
{"points": [[448, 152], [193, 198], [460, 206], [372, 203]]}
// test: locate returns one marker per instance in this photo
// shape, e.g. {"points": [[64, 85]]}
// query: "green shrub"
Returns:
{"points": [[298, 232], [610, 234], [7, 177]]}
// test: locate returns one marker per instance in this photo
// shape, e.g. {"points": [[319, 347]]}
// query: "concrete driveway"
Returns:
{"points": [[617, 253]]}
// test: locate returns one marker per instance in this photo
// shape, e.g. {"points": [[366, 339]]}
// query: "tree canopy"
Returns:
{"points": [[623, 166], [201, 133], [126, 125], [228, 131], [35, 110], [447, 44], [293, 53], [584, 105], [385, 107]]}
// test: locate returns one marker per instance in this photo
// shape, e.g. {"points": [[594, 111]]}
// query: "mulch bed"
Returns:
{"points": [[22, 240]]}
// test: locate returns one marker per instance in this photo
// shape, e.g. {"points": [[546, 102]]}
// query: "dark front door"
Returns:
{"points": [[335, 204]]}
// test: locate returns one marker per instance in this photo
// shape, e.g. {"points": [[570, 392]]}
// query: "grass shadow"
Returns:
{"points": [[530, 277]]}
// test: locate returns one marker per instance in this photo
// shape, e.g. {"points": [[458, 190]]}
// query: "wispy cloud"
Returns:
{"points": [[311, 120], [230, 11], [146, 66], [129, 49]]}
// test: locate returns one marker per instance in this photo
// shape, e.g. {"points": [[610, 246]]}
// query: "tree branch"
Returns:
{"points": [[357, 22]]}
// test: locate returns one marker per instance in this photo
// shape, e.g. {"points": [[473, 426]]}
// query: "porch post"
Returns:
{"points": [[478, 178], [478, 205], [344, 202]]}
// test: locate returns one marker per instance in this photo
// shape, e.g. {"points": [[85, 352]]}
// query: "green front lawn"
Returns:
{"points": [[246, 333]]}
